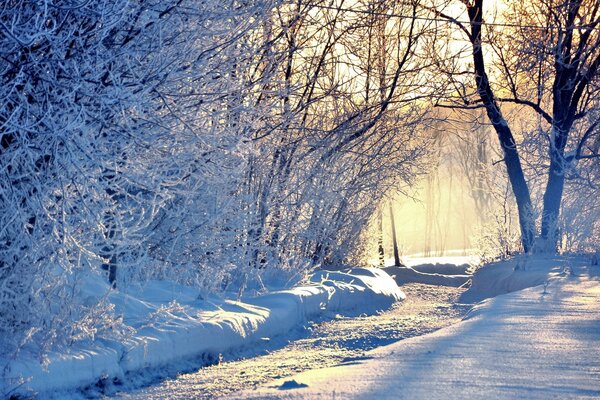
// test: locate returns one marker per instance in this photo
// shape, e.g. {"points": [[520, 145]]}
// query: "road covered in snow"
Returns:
{"points": [[538, 343], [343, 339], [534, 332]]}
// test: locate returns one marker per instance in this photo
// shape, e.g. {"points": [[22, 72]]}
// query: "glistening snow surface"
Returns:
{"points": [[538, 343], [323, 344], [170, 334]]}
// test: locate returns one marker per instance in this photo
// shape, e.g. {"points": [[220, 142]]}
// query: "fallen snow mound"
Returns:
{"points": [[519, 273], [443, 268], [404, 275], [172, 324]]}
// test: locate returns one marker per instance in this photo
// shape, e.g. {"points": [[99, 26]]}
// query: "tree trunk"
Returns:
{"points": [[109, 250], [552, 201], [566, 100], [556, 180], [511, 156], [397, 262], [380, 240]]}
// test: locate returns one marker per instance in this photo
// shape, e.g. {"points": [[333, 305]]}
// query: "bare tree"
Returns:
{"points": [[546, 56]]}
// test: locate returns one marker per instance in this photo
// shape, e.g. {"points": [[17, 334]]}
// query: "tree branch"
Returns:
{"points": [[534, 106]]}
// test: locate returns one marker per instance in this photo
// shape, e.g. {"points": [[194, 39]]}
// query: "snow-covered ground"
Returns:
{"points": [[449, 275], [319, 344], [541, 342], [452, 269], [454, 257], [520, 272], [173, 325]]}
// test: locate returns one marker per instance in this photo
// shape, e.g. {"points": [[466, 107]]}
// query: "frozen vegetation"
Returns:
{"points": [[177, 176]]}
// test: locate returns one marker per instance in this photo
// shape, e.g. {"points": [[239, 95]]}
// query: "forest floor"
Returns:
{"points": [[426, 309]]}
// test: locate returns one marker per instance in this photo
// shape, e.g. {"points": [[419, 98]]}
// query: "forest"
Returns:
{"points": [[227, 145]]}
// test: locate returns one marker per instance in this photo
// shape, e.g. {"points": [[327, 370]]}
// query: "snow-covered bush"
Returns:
{"points": [[580, 216], [191, 141]]}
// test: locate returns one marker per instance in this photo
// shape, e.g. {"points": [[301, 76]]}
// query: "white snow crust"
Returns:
{"points": [[173, 324], [404, 275], [537, 343]]}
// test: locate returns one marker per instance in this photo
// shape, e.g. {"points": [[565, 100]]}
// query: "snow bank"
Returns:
{"points": [[404, 275], [371, 289], [454, 257], [538, 343], [443, 268], [518, 273], [168, 332]]}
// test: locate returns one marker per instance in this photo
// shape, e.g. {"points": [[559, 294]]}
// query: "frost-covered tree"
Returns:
{"points": [[111, 124], [543, 56], [193, 141], [341, 122]]}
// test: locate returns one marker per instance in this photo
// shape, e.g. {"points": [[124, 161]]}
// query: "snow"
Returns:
{"points": [[453, 257], [442, 271], [536, 343], [518, 273], [404, 275], [320, 344], [443, 268], [173, 324]]}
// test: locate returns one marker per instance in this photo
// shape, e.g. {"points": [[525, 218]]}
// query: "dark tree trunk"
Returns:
{"points": [[555, 186], [397, 262], [109, 250], [567, 89], [511, 155], [552, 202], [380, 241]]}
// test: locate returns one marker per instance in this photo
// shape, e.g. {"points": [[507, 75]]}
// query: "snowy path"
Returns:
{"points": [[426, 308], [530, 344]]}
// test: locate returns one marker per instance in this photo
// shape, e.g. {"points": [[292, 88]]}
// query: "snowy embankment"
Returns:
{"points": [[454, 275], [168, 332], [537, 343], [518, 273], [455, 271]]}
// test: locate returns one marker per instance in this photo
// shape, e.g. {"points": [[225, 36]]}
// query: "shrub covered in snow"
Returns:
{"points": [[198, 142]]}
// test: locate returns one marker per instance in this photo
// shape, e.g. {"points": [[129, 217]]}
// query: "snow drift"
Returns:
{"points": [[173, 324], [519, 273], [404, 275]]}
